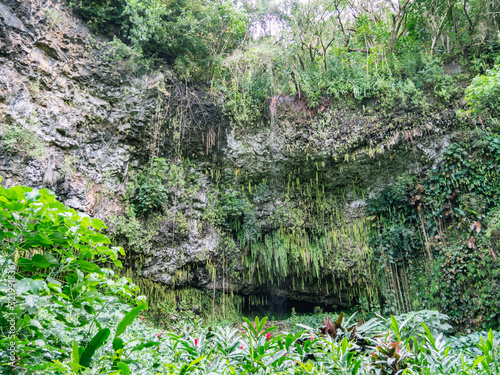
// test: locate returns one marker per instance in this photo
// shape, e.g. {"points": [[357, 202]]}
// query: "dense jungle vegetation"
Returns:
{"points": [[422, 268], [251, 51], [70, 315]]}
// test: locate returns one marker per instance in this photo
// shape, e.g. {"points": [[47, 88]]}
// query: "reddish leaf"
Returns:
{"points": [[470, 243]]}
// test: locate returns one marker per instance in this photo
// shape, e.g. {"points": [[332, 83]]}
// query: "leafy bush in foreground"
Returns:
{"points": [[53, 289]]}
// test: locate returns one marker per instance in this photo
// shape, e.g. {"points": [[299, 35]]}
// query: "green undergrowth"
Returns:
{"points": [[482, 96], [57, 301]]}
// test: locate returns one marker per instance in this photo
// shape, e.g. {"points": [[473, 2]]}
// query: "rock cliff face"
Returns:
{"points": [[51, 78], [79, 119]]}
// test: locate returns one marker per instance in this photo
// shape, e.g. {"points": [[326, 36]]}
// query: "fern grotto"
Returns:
{"points": [[236, 187]]}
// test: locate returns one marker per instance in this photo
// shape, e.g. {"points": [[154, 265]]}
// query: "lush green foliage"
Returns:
{"points": [[161, 184], [67, 311], [436, 225], [136, 233], [483, 94], [54, 289], [191, 34], [160, 192], [396, 53]]}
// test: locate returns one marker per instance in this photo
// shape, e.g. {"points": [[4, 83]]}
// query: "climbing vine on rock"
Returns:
{"points": [[432, 233]]}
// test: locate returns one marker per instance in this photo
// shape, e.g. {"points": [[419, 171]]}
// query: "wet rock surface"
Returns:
{"points": [[98, 120], [86, 109]]}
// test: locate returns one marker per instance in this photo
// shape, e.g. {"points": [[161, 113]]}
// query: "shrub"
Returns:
{"points": [[483, 94], [137, 235], [149, 189], [23, 138], [162, 184], [51, 255], [190, 34]]}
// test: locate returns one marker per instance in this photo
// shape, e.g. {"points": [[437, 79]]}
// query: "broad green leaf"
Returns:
{"points": [[42, 239], [344, 344], [148, 344], [40, 261], [52, 259], [32, 195], [356, 368], [98, 224], [185, 369], [26, 264], [83, 319], [128, 319], [124, 369], [279, 354], [35, 323], [37, 285], [75, 358], [117, 344], [249, 326], [478, 361], [51, 280], [48, 195], [23, 286], [395, 326], [87, 266], [97, 341], [270, 329], [428, 334], [31, 300]]}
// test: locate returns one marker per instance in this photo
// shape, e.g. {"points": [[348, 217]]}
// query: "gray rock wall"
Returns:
{"points": [[97, 119]]}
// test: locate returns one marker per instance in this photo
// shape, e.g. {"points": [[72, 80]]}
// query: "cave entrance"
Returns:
{"points": [[280, 307]]}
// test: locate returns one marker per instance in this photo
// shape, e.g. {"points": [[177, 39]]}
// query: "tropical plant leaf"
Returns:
{"points": [[129, 318], [97, 341], [75, 358]]}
